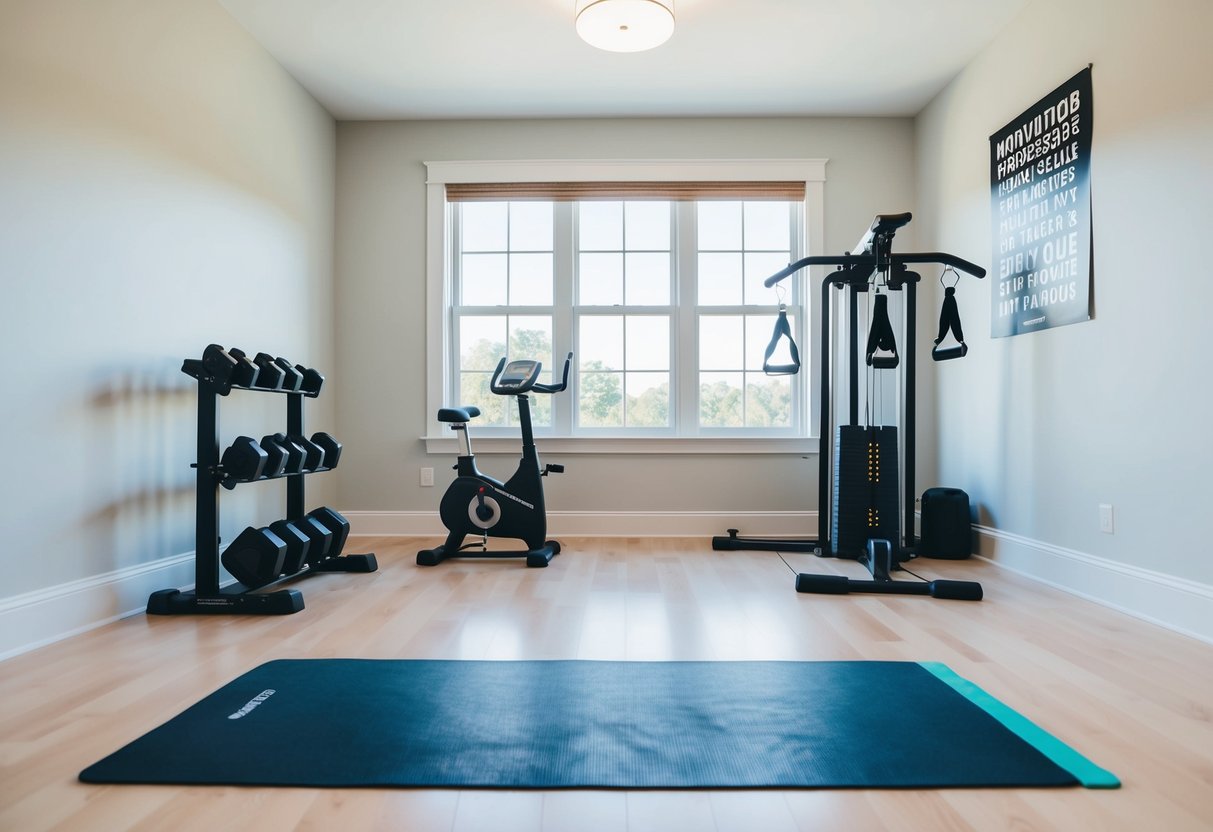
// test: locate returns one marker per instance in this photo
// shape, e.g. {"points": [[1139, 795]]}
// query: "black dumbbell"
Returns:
{"points": [[216, 366], [221, 367], [321, 537], [297, 545], [255, 557], [292, 379], [335, 523], [314, 454], [296, 455], [312, 380], [246, 372], [219, 363], [331, 448], [277, 457], [243, 461], [271, 375]]}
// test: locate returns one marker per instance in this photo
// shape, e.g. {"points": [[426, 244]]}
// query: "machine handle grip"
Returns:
{"points": [[786, 271], [955, 590], [948, 353], [823, 584]]}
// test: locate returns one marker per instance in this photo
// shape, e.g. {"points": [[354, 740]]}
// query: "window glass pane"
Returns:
{"points": [[484, 279], [600, 226], [531, 337], [758, 332], [530, 226], [624, 261], [719, 225], [530, 280], [758, 267], [721, 345], [720, 400], [767, 225], [647, 226], [541, 407], [648, 399], [481, 342], [719, 279], [601, 279], [648, 342], [648, 279], [768, 401], [483, 226], [474, 390], [601, 401], [600, 346]]}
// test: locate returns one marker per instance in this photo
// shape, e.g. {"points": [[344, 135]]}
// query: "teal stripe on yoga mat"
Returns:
{"points": [[1086, 772]]}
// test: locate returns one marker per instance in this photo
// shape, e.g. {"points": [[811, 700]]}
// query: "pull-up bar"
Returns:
{"points": [[872, 254]]}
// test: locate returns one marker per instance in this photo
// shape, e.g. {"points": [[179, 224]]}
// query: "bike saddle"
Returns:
{"points": [[458, 414]]}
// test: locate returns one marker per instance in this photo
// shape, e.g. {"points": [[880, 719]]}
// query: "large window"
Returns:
{"points": [[658, 295]]}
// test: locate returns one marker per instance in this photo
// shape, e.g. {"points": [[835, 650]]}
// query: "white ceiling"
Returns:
{"points": [[428, 59]]}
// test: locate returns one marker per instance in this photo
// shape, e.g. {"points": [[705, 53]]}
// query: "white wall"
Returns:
{"points": [[381, 298], [165, 185], [1042, 428]]}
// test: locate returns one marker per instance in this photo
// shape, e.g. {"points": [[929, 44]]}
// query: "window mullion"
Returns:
{"points": [[563, 324], [685, 331], [451, 380], [800, 303]]}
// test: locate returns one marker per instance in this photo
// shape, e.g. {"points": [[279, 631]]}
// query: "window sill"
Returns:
{"points": [[449, 445]]}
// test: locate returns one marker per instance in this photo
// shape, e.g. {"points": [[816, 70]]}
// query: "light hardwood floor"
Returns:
{"points": [[1135, 698]]}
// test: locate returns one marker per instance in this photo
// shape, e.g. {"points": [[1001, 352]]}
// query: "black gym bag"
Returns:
{"points": [[946, 527]]}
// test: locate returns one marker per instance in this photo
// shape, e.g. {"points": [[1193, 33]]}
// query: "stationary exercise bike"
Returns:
{"points": [[477, 504]]}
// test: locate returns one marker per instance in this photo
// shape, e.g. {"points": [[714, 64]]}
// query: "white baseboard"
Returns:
{"points": [[42, 617], [1175, 603], [606, 523]]}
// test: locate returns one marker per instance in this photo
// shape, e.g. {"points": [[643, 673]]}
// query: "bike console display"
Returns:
{"points": [[518, 376]]}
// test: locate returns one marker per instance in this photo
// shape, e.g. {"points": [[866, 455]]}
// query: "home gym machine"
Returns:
{"points": [[477, 504], [857, 497]]}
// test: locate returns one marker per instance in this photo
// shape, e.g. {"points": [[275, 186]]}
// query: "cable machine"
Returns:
{"points": [[857, 494]]}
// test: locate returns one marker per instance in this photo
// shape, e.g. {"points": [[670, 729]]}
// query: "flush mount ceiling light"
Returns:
{"points": [[625, 25]]}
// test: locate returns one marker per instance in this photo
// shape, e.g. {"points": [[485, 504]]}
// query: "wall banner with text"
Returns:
{"points": [[1040, 193]]}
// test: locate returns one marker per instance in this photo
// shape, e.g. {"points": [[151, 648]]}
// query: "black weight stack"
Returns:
{"points": [[865, 503]]}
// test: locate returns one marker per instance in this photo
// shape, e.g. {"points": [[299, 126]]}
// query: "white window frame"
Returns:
{"points": [[438, 241]]}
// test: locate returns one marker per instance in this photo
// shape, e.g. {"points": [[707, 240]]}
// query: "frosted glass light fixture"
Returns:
{"points": [[625, 25]]}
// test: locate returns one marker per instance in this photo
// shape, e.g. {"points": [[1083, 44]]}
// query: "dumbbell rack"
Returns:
{"points": [[208, 597]]}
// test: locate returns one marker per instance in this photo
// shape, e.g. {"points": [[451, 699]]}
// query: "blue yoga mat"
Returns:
{"points": [[590, 724]]}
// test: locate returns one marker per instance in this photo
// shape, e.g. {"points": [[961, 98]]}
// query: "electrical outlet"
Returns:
{"points": [[427, 476], [1106, 520]]}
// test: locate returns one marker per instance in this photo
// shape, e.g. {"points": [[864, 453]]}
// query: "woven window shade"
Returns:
{"points": [[584, 191]]}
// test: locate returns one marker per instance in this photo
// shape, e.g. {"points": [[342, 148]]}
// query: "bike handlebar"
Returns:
{"points": [[556, 388], [521, 386]]}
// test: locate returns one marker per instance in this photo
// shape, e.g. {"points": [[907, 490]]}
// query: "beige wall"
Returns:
{"points": [[381, 295], [165, 185], [1042, 428]]}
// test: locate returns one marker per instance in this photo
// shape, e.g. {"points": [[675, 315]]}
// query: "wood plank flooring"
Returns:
{"points": [[1135, 698]]}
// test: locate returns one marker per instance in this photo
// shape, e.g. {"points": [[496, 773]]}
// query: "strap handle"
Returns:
{"points": [[782, 330], [880, 337], [949, 321]]}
